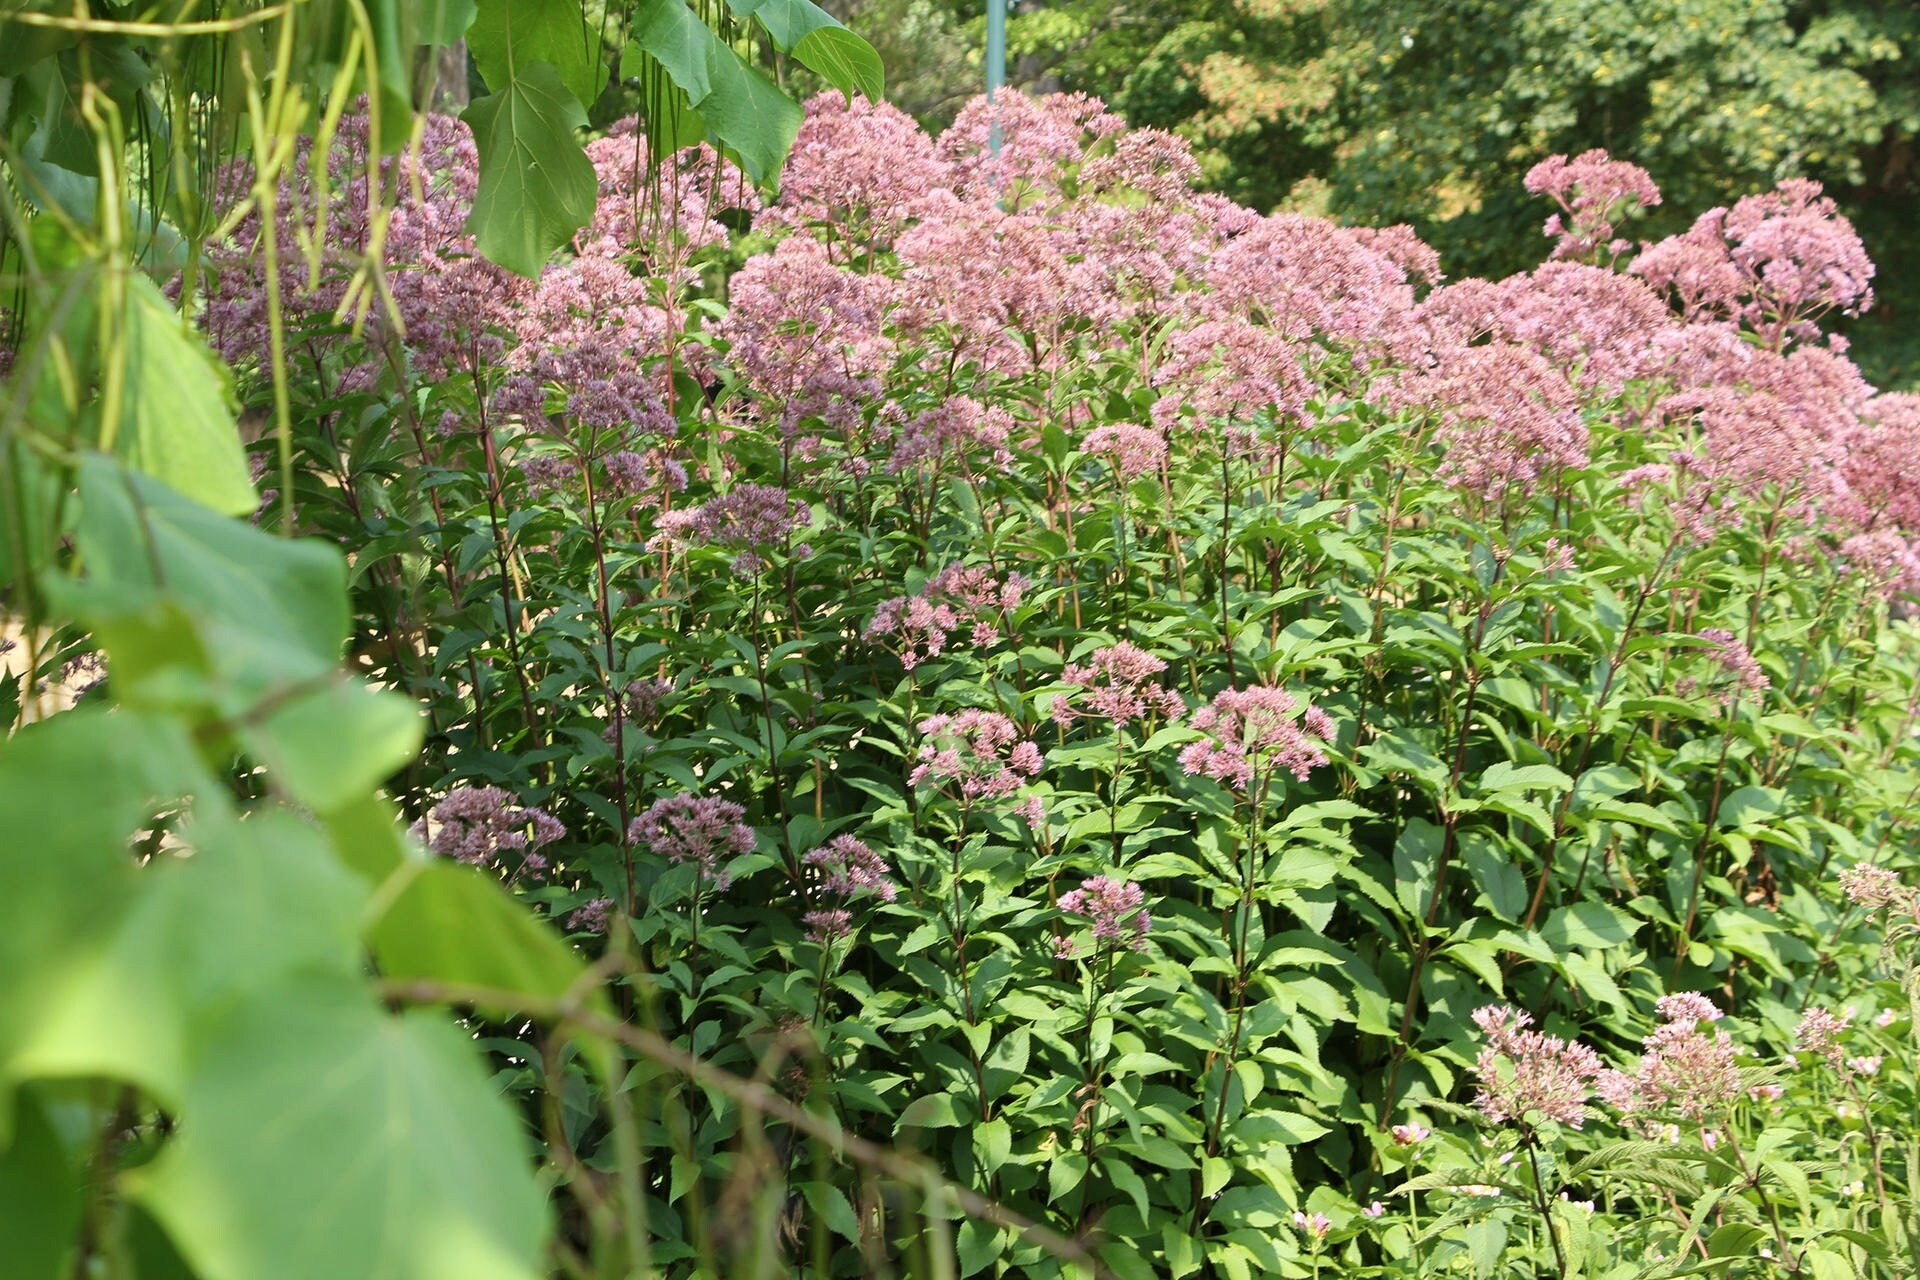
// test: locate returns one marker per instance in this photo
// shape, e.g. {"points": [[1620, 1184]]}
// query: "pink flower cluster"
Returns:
{"points": [[699, 829], [959, 596], [1527, 1074], [1131, 451], [1251, 732], [1116, 908], [1730, 654], [848, 869], [749, 519], [1593, 191], [476, 825], [1683, 1070], [1117, 685], [980, 754], [1872, 887]]}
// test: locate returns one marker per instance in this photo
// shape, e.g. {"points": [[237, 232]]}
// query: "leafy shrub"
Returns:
{"points": [[1048, 667]]}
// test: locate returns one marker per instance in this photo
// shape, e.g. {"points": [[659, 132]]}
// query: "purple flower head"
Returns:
{"points": [[957, 599], [1133, 451], [1594, 191], [1683, 1069], [1819, 1032], [697, 829], [475, 825], [824, 927], [980, 752], [591, 917], [849, 869], [1525, 1073], [1732, 657], [749, 519], [1253, 731], [1314, 1224], [1116, 908], [1117, 685]]}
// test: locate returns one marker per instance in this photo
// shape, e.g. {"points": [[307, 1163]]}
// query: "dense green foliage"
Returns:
{"points": [[990, 713]]}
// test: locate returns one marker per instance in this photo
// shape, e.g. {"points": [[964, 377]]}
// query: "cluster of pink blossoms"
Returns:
{"points": [[1132, 451], [959, 596], [1117, 910], [1117, 685], [698, 829], [1731, 655], [1543, 1076], [750, 520], [1683, 1070], [1251, 732], [476, 825], [1593, 191], [981, 755], [1873, 887], [848, 869]]}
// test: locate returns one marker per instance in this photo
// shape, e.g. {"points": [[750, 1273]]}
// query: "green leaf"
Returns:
{"points": [[273, 609], [258, 903], [537, 187], [936, 1111], [844, 61], [787, 21], [73, 789], [1588, 924], [1486, 1240], [1749, 805], [329, 1139], [744, 111], [1507, 776], [178, 424], [40, 1196], [336, 744], [674, 36], [1502, 882], [1735, 1239], [507, 36], [450, 923]]}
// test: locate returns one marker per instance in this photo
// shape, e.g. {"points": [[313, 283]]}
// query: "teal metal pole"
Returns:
{"points": [[996, 64]]}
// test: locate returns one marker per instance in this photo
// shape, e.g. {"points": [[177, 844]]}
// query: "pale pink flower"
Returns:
{"points": [[849, 869], [1543, 1076], [980, 752], [1254, 731], [476, 825], [590, 917], [1870, 886], [698, 829], [824, 927], [1133, 451], [1117, 685], [1116, 908], [1406, 1135], [1594, 191], [1819, 1032]]}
